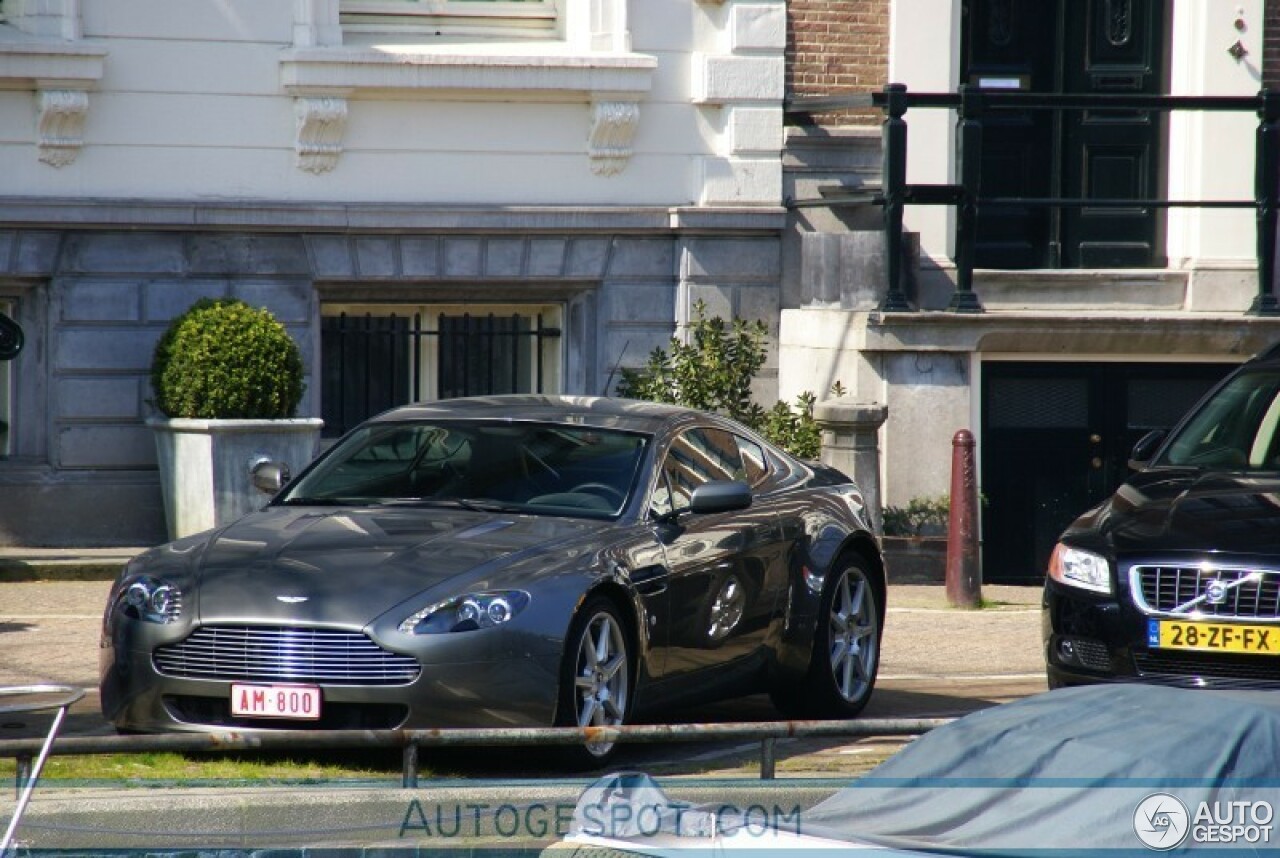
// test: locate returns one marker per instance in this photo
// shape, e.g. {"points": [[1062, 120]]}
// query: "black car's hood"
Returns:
{"points": [[1189, 510], [347, 566]]}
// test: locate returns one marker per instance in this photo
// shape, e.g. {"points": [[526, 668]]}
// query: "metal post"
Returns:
{"points": [[968, 164], [768, 760], [22, 773], [409, 766], [1266, 177], [24, 797], [894, 169], [964, 578]]}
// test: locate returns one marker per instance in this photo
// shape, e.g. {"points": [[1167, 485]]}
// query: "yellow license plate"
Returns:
{"points": [[1214, 637]]}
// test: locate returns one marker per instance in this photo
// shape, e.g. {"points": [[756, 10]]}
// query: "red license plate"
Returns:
{"points": [[300, 702]]}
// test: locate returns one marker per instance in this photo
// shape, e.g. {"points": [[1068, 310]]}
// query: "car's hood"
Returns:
{"points": [[348, 567], [1185, 510]]}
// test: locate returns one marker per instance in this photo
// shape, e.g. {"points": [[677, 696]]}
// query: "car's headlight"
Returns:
{"points": [[1078, 568], [466, 613], [150, 599]]}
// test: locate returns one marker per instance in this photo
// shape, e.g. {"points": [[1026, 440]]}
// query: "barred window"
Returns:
{"points": [[379, 356]]}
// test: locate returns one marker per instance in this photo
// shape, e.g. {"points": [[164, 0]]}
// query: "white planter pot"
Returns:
{"points": [[204, 465]]}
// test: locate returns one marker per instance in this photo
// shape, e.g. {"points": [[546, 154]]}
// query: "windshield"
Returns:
{"points": [[1235, 430], [529, 467]]}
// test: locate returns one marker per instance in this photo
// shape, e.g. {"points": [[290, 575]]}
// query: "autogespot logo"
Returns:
{"points": [[1161, 821]]}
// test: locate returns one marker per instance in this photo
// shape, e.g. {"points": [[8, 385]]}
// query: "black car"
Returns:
{"points": [[1176, 577], [508, 561]]}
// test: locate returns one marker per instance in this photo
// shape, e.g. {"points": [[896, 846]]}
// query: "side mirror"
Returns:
{"points": [[1146, 448], [720, 496], [267, 476]]}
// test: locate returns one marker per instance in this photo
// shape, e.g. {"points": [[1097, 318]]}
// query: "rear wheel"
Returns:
{"points": [[595, 683], [846, 650]]}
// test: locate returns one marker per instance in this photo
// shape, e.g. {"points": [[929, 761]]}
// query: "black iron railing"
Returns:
{"points": [[971, 105]]}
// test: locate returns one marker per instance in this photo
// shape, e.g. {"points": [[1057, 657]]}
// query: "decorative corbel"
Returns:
{"points": [[613, 128], [322, 122], [61, 115]]}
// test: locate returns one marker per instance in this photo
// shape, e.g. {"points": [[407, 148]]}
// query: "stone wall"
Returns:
{"points": [[93, 302]]}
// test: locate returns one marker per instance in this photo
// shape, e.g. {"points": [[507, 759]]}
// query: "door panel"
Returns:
{"points": [[1076, 46], [1055, 441], [1004, 48], [1111, 154]]}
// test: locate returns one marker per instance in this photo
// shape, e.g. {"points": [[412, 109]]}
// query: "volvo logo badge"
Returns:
{"points": [[1215, 592], [291, 600]]}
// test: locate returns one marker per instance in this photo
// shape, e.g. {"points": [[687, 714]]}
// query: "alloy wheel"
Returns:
{"points": [[600, 677], [853, 636]]}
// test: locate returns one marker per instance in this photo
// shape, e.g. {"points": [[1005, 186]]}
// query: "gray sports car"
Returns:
{"points": [[508, 561]]}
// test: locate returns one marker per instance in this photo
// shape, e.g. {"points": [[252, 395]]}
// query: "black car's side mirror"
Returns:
{"points": [[267, 476], [720, 496], [1146, 448]]}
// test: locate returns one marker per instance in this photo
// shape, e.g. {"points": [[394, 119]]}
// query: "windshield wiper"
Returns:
{"points": [[323, 501], [473, 504]]}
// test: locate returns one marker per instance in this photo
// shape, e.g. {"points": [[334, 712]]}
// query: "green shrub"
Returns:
{"points": [[713, 372], [920, 514], [223, 359]]}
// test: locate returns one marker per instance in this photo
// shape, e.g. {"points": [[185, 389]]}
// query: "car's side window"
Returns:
{"points": [[695, 457]]}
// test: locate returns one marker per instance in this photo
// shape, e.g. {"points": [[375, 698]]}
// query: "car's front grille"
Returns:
{"points": [[1217, 669], [1225, 592], [284, 654]]}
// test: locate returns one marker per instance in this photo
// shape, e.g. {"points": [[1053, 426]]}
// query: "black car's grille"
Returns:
{"points": [[1229, 593], [284, 654], [1218, 669]]}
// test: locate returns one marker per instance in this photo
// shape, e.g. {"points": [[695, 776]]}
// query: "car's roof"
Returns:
{"points": [[598, 411]]}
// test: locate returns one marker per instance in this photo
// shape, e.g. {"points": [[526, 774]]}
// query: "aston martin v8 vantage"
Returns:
{"points": [[508, 561]]}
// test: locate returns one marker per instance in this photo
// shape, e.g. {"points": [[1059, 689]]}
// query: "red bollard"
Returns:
{"points": [[964, 575]]}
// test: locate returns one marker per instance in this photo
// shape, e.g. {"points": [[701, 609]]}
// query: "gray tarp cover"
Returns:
{"points": [[1068, 770]]}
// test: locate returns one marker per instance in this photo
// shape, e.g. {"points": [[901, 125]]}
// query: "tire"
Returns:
{"points": [[595, 678], [846, 650]]}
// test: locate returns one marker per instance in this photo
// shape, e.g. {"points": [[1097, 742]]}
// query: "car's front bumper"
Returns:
{"points": [[1093, 637], [504, 688]]}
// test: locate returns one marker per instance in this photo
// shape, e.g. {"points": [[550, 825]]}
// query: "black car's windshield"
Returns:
{"points": [[1237, 429], [545, 468]]}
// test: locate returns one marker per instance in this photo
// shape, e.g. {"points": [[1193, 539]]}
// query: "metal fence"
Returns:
{"points": [[971, 105], [411, 741]]}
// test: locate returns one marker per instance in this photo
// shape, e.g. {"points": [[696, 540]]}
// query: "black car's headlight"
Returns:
{"points": [[1076, 567], [152, 599], [467, 613]]}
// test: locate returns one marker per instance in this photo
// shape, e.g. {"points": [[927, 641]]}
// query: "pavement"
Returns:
{"points": [[937, 661]]}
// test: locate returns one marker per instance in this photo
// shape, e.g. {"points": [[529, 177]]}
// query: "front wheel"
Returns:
{"points": [[846, 650], [595, 682]]}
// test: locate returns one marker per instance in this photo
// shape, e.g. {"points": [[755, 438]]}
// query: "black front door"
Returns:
{"points": [[1056, 439], [1077, 46]]}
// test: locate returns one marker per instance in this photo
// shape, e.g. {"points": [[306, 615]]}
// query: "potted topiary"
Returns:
{"points": [[228, 379]]}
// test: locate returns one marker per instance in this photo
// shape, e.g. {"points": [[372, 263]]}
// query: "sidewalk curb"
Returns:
{"points": [[95, 564]]}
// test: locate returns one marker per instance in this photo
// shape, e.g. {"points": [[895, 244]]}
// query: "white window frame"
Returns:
{"points": [[553, 349], [452, 18]]}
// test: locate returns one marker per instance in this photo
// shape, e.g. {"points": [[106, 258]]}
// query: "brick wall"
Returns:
{"points": [[836, 46]]}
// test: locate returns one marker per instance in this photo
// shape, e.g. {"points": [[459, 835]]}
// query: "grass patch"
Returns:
{"points": [[223, 767]]}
